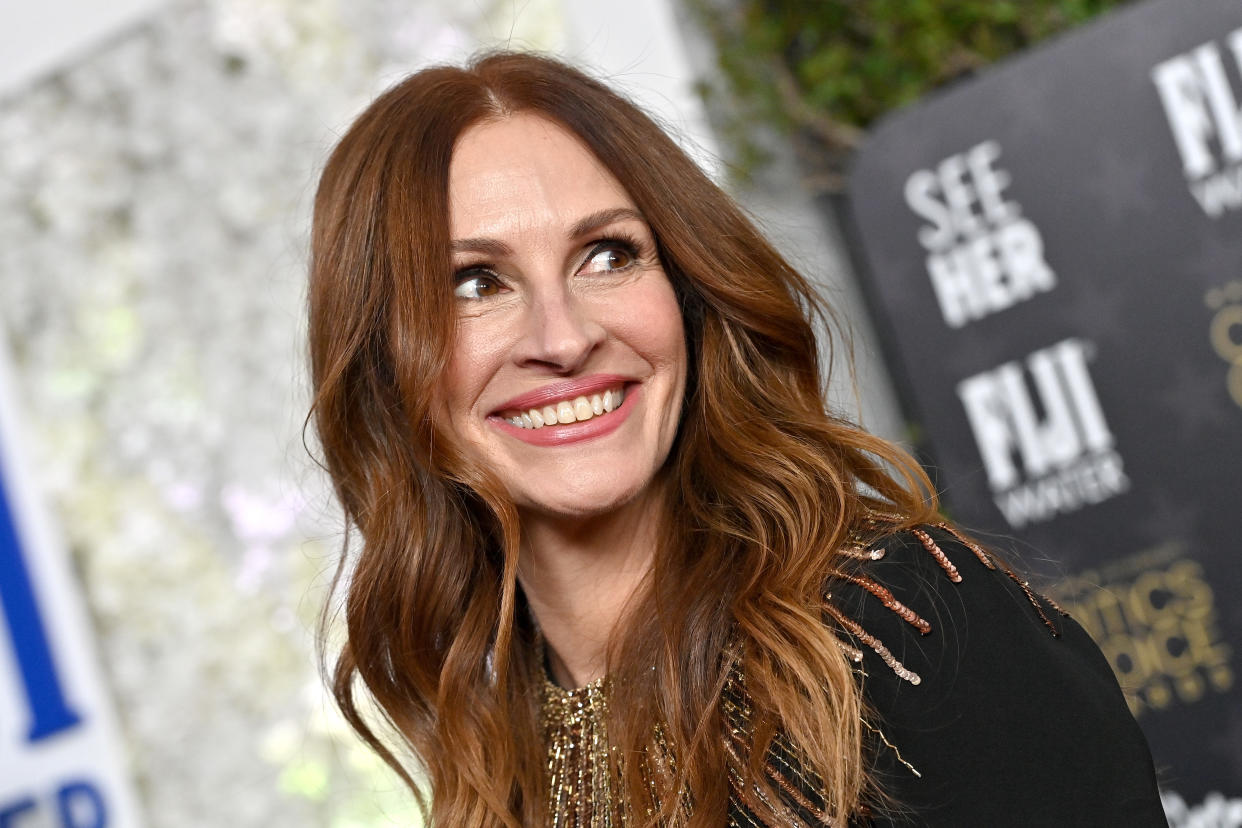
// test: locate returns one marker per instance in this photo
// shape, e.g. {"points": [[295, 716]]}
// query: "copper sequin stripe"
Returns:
{"points": [[890, 602], [1036, 600], [936, 552]]}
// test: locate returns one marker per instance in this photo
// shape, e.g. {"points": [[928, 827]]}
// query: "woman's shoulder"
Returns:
{"points": [[988, 704], [912, 582]]}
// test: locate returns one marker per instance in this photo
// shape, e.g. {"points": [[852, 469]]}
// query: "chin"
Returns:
{"points": [[579, 505]]}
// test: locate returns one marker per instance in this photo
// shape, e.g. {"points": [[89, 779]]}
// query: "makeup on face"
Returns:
{"points": [[569, 362]]}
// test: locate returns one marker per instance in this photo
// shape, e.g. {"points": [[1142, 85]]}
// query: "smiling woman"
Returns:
{"points": [[619, 563]]}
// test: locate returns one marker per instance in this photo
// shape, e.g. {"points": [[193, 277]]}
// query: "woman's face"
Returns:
{"points": [[570, 361]]}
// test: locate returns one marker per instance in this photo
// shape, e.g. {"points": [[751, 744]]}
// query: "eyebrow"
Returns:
{"points": [[582, 227], [488, 247], [601, 218]]}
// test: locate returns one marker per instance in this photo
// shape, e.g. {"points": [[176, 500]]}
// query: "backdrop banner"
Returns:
{"points": [[1055, 250], [62, 762]]}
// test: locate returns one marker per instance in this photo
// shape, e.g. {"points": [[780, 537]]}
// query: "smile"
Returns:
{"points": [[568, 413], [562, 412]]}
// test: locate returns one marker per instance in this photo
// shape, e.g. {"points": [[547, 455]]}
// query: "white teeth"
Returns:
{"points": [[582, 409], [569, 411]]}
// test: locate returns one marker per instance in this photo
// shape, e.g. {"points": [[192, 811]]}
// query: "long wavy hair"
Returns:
{"points": [[766, 483]]}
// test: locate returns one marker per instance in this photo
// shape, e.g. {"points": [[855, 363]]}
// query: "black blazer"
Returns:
{"points": [[1016, 718]]}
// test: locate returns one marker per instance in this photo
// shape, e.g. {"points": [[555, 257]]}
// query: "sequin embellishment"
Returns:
{"points": [[580, 758]]}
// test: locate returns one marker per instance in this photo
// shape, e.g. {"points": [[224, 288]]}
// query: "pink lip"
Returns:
{"points": [[566, 390], [560, 435]]}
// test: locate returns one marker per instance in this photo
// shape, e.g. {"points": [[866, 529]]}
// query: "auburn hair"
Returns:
{"points": [[766, 482]]}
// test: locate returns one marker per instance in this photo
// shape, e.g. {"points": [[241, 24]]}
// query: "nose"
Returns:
{"points": [[560, 332]]}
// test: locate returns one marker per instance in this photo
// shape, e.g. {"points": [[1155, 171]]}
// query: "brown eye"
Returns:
{"points": [[607, 257], [476, 285]]}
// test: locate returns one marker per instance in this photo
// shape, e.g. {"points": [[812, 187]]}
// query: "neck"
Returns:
{"points": [[579, 575]]}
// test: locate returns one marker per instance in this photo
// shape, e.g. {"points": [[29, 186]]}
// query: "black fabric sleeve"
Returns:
{"points": [[1009, 724]]}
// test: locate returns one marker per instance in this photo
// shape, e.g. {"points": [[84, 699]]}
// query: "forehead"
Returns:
{"points": [[509, 174]]}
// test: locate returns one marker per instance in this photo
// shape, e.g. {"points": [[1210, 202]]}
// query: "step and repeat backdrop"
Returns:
{"points": [[60, 753], [1055, 247]]}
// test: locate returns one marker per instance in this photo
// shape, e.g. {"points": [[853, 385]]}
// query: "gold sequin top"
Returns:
{"points": [[579, 754]]}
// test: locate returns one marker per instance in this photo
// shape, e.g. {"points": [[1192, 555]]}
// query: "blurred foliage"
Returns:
{"points": [[824, 71]]}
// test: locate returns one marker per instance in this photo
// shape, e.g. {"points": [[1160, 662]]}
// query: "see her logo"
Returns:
{"points": [[983, 256]]}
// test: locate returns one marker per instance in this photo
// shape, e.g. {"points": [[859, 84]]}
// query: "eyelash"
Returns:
{"points": [[628, 244]]}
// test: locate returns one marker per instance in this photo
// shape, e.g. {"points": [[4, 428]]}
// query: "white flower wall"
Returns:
{"points": [[154, 209]]}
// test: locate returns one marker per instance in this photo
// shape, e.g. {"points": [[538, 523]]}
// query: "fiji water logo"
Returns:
{"points": [[1199, 90], [1045, 443]]}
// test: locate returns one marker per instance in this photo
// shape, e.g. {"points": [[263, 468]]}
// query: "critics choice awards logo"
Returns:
{"points": [[1225, 332], [1155, 617]]}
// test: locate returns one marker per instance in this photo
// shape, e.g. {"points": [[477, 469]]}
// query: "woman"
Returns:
{"points": [[618, 564]]}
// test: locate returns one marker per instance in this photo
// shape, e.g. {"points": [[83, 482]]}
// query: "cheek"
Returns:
{"points": [[656, 327], [458, 380], [476, 354]]}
